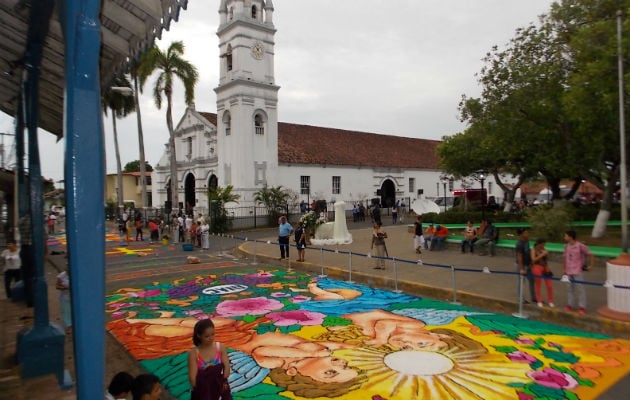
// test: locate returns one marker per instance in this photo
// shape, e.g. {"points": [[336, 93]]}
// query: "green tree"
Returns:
{"points": [[120, 105], [587, 29], [134, 166], [217, 198], [170, 65], [275, 200]]}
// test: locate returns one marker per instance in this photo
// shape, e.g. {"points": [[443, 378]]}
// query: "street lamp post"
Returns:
{"points": [[308, 196], [444, 180], [482, 178]]}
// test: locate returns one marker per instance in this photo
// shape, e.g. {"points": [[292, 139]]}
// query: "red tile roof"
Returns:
{"points": [[306, 144]]}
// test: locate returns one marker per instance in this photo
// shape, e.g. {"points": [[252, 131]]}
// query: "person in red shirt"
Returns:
{"points": [[439, 237], [154, 228]]}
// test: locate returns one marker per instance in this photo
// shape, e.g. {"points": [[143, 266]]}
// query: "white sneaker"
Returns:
{"points": [[540, 304], [552, 305]]}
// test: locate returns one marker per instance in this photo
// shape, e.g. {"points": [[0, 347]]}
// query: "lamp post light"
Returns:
{"points": [[445, 179], [482, 177]]}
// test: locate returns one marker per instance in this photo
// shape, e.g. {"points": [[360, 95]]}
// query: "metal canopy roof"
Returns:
{"points": [[127, 28]]}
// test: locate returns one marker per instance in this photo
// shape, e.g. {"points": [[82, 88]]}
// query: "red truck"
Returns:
{"points": [[470, 198]]}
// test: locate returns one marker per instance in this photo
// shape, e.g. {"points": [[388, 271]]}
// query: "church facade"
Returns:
{"points": [[245, 146]]}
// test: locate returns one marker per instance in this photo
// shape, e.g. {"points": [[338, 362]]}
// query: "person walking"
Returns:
{"points": [[205, 234], [523, 264], [138, 224], [417, 235], [12, 264], [574, 257], [284, 232], [300, 241], [378, 241], [394, 215], [540, 270]]}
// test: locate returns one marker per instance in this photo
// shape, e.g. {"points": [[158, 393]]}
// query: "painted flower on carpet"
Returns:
{"points": [[299, 299], [296, 317], [549, 377], [146, 293], [253, 306], [519, 356]]}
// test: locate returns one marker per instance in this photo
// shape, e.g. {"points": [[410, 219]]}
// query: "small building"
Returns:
{"points": [[132, 189]]}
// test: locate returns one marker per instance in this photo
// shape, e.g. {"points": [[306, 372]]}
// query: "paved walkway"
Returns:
{"points": [[433, 276]]}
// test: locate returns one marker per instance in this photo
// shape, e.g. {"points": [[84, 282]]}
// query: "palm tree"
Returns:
{"points": [[170, 64], [217, 198], [275, 198], [143, 169], [121, 105]]}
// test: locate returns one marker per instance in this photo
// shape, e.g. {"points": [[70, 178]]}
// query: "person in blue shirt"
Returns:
{"points": [[284, 233]]}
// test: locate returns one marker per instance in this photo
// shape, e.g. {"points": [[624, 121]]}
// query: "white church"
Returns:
{"points": [[245, 146]]}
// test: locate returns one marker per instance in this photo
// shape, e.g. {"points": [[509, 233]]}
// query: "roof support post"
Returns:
{"points": [[40, 348], [84, 178]]}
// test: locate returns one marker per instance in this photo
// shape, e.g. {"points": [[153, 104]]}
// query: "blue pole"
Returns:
{"points": [[84, 177], [40, 349]]}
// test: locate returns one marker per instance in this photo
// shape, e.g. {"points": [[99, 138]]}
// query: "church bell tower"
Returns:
{"points": [[247, 96]]}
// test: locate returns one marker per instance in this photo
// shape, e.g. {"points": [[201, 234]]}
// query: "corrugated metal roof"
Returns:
{"points": [[127, 28]]}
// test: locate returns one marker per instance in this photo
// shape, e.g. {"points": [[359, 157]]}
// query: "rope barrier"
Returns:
{"points": [[420, 263]]}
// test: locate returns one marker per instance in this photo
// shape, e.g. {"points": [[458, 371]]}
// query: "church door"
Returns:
{"points": [[189, 193], [388, 193]]}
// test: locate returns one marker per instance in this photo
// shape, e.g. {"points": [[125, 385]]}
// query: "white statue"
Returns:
{"points": [[334, 232]]}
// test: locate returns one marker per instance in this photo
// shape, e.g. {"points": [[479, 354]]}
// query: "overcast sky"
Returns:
{"points": [[392, 67]]}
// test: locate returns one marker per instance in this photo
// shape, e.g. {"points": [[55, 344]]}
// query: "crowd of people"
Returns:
{"points": [[183, 229], [531, 262]]}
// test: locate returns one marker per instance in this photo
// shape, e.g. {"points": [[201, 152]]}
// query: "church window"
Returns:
{"points": [[231, 13], [228, 57], [227, 121], [254, 12], [189, 148], [258, 124], [336, 185], [451, 182], [489, 187], [412, 185], [305, 184]]}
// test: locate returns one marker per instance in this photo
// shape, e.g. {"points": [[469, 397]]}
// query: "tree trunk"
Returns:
{"points": [[173, 156], [143, 167], [119, 191], [599, 229]]}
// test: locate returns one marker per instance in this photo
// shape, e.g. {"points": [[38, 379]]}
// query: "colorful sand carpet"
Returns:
{"points": [[297, 336]]}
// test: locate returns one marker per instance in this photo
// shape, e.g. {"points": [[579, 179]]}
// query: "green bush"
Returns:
{"points": [[549, 222]]}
